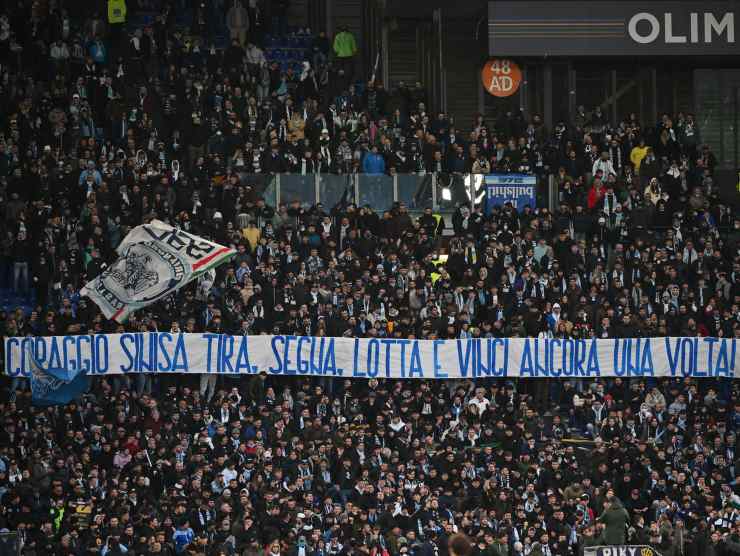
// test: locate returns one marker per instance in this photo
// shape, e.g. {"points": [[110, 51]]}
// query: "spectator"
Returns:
{"points": [[638, 154], [321, 49], [604, 165], [238, 22], [596, 194], [373, 163], [183, 537], [614, 519], [459, 545], [345, 50], [654, 192], [21, 260], [117, 12]]}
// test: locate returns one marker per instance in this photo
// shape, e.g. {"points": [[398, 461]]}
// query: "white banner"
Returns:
{"points": [[155, 260], [162, 352]]}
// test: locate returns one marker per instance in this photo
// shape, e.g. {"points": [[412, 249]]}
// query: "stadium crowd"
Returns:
{"points": [[156, 122]]}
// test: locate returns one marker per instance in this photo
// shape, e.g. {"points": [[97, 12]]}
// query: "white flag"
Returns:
{"points": [[155, 260]]}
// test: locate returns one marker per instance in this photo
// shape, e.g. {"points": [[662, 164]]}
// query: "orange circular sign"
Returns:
{"points": [[501, 78]]}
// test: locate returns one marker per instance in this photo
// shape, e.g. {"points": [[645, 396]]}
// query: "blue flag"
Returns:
{"points": [[55, 386]]}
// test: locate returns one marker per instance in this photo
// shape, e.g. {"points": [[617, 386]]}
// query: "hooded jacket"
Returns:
{"points": [[615, 518]]}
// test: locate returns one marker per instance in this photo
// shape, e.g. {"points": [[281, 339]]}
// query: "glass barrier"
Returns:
{"points": [[335, 188], [416, 190], [264, 185], [452, 191], [376, 190], [442, 192], [270, 194], [296, 186]]}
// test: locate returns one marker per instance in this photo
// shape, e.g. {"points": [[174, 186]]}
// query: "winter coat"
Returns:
{"points": [[615, 518], [344, 45], [373, 163]]}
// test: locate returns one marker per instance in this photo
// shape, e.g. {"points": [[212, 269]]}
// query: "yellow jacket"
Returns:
{"points": [[252, 235], [636, 156], [116, 11]]}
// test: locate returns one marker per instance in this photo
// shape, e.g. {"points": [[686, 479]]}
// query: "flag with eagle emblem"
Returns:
{"points": [[155, 260]]}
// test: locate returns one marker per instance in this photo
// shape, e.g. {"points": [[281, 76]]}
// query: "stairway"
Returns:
{"points": [[710, 115], [298, 14], [463, 58], [684, 91], [402, 53]]}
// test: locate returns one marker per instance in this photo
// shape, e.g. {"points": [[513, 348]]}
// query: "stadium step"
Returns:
{"points": [[403, 56], [298, 13], [462, 65]]}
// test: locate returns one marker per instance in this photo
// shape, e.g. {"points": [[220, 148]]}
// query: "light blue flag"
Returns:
{"points": [[55, 386]]}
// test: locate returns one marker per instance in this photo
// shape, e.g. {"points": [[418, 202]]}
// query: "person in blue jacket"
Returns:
{"points": [[373, 162], [183, 536]]}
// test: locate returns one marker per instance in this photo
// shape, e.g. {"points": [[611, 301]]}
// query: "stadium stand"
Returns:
{"points": [[349, 204]]}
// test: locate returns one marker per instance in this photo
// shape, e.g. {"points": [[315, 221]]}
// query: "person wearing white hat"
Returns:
{"points": [[553, 318]]}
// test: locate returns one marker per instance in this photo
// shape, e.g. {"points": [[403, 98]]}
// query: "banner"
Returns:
{"points": [[621, 550], [517, 189], [155, 260], [629, 28], [162, 352]]}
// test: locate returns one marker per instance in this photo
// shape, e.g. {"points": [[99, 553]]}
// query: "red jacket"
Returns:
{"points": [[595, 196]]}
